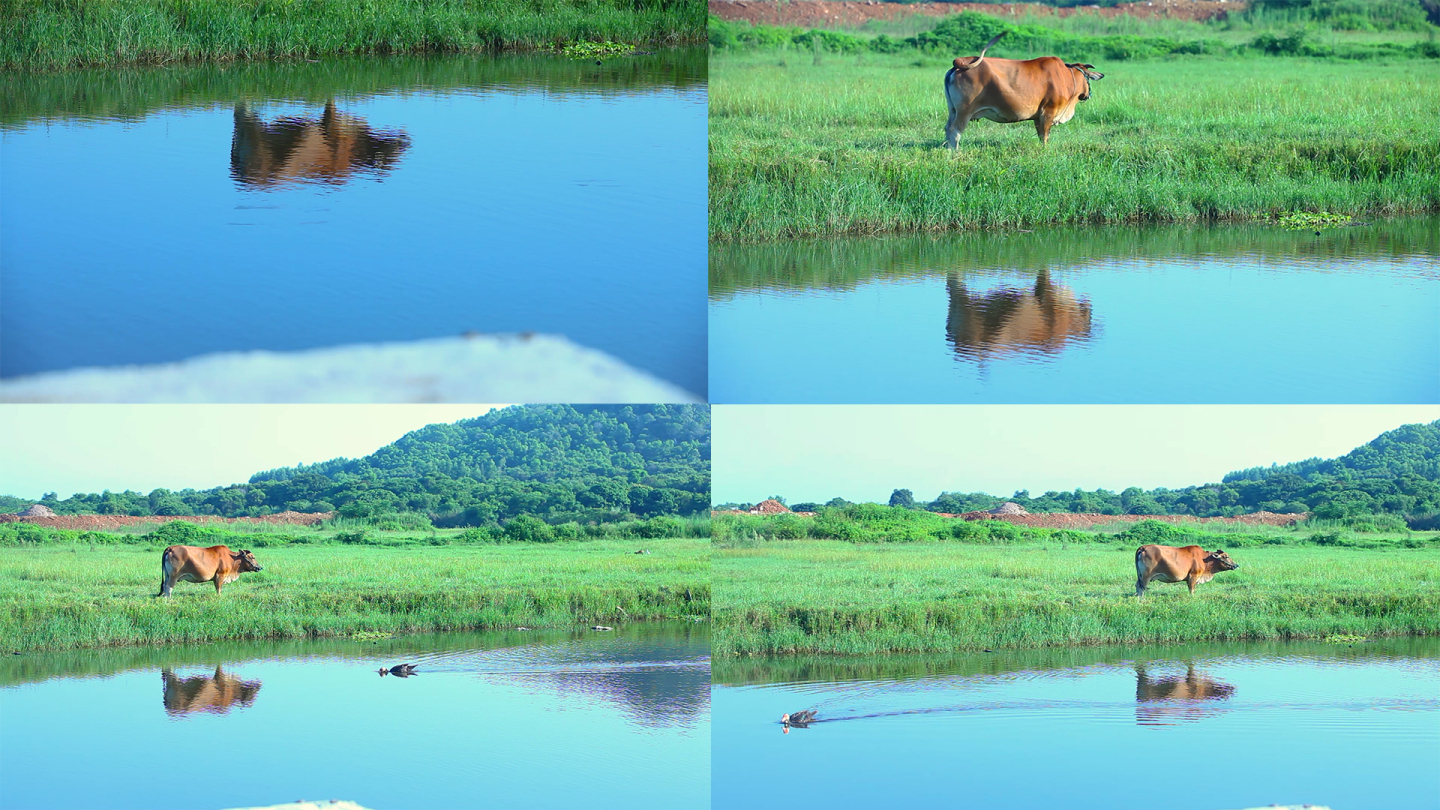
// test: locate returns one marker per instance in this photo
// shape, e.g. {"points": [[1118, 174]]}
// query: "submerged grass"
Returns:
{"points": [[77, 596], [831, 597], [806, 146], [56, 34]]}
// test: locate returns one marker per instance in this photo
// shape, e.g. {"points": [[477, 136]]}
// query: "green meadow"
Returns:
{"points": [[802, 597], [1276, 110], [853, 145], [57, 34], [59, 596]]}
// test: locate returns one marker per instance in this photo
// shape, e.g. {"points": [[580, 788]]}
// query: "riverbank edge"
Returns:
{"points": [[1251, 218], [362, 627], [719, 653]]}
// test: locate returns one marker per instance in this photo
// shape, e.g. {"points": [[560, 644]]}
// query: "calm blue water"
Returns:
{"points": [[497, 194], [1224, 315], [1223, 727], [600, 720]]}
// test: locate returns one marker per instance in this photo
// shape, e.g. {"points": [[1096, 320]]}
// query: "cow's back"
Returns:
{"points": [[1016, 88], [192, 561]]}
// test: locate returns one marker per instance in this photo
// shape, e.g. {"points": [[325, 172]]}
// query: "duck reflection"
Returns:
{"points": [[1039, 321], [213, 694], [1174, 699], [296, 149]]}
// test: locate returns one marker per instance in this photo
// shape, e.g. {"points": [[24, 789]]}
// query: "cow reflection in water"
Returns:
{"points": [[215, 694], [1042, 320], [1173, 699], [297, 149]]}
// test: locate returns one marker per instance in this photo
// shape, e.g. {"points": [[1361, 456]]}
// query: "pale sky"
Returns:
{"points": [[91, 448], [863, 452]]}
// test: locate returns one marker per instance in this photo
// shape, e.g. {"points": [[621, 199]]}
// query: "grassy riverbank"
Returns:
{"points": [[832, 597], [68, 596], [802, 145], [56, 34]]}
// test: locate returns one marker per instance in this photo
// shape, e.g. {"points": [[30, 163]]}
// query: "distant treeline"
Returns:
{"points": [[967, 33], [1396, 474], [395, 530], [558, 463], [873, 523], [1341, 15]]}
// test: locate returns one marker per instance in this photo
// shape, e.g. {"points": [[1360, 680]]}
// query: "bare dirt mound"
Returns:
{"points": [[823, 14], [1065, 520], [770, 507], [102, 523], [37, 510]]}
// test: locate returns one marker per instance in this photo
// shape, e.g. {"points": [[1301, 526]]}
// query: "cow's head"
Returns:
{"points": [[246, 561], [1221, 560], [1085, 75]]}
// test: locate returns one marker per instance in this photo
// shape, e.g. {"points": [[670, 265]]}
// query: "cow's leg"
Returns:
{"points": [[165, 586], [1140, 585], [955, 125], [1190, 580], [959, 121], [1042, 128], [217, 584]]}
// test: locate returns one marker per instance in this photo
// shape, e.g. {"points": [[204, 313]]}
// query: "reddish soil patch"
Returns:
{"points": [[1065, 520], [102, 523], [823, 14]]}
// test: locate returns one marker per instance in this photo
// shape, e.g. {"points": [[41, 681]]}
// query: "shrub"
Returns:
{"points": [[1154, 531], [181, 533], [484, 534], [787, 527], [529, 529], [969, 531], [662, 526]]}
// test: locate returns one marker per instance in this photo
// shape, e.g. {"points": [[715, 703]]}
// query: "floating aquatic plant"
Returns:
{"points": [[1308, 221], [591, 50]]}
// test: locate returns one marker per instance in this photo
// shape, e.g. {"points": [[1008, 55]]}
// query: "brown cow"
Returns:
{"points": [[217, 564], [295, 149], [1172, 699], [1043, 320], [203, 693], [1191, 565], [1008, 91]]}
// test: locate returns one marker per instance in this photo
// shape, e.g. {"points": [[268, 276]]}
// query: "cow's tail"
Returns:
{"points": [[962, 66], [167, 565]]}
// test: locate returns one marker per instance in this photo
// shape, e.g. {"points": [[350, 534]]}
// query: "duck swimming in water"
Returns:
{"points": [[401, 670], [798, 718]]}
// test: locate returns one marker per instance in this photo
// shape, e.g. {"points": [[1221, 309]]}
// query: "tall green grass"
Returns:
{"points": [[54, 34], [853, 145], [829, 597], [89, 596]]}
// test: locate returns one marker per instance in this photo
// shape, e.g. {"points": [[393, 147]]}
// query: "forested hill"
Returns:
{"points": [[1409, 450], [558, 462], [1398, 473]]}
